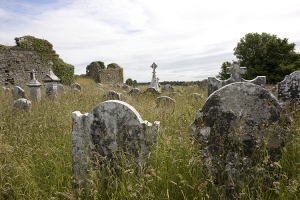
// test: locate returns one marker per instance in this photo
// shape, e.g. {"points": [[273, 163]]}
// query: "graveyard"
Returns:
{"points": [[38, 144]]}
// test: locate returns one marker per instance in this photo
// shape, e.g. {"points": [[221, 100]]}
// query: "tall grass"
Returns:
{"points": [[36, 159]]}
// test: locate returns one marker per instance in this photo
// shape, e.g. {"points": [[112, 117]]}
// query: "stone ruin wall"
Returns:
{"points": [[16, 62], [106, 76]]}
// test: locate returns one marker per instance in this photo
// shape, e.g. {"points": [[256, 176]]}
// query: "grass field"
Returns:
{"points": [[36, 159]]}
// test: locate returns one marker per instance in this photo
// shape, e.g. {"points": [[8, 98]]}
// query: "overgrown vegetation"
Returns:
{"points": [[36, 159], [62, 70]]}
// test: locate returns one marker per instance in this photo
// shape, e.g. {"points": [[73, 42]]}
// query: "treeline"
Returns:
{"points": [[174, 83]]}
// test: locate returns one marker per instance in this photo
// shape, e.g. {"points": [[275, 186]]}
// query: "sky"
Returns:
{"points": [[188, 40]]}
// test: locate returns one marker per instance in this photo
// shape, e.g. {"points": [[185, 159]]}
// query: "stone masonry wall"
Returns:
{"points": [[17, 61], [111, 76]]}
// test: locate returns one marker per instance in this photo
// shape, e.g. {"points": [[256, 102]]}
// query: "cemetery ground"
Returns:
{"points": [[36, 152]]}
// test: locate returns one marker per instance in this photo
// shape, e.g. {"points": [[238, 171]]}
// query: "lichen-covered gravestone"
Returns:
{"points": [[22, 103], [165, 100], [51, 81], [134, 91], [109, 129], [289, 88], [235, 71], [235, 127]]}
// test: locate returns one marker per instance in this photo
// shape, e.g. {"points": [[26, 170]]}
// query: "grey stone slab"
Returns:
{"points": [[18, 92], [76, 86], [134, 91], [289, 88], [106, 132], [238, 124], [22, 103], [111, 95]]}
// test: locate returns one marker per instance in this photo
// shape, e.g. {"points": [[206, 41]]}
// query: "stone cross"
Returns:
{"points": [[154, 82], [235, 71]]}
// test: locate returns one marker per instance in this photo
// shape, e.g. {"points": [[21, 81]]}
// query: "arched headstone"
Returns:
{"points": [[235, 124], [111, 95], [108, 129]]}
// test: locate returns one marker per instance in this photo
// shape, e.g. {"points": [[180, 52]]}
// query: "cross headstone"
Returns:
{"points": [[235, 127], [154, 81], [109, 131], [34, 87], [235, 71]]}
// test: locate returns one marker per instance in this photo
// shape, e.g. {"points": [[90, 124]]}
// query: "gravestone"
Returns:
{"points": [[22, 103], [235, 127], [289, 88], [151, 92], [116, 85], [51, 81], [175, 95], [76, 87], [167, 88], [34, 87], [109, 129], [125, 87], [18, 92], [165, 101], [134, 91], [154, 81], [111, 95], [60, 87], [235, 71]]}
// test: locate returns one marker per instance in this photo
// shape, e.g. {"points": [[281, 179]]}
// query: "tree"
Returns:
{"points": [[222, 74], [267, 55], [129, 81]]}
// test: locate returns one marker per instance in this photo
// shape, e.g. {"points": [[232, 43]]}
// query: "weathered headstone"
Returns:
{"points": [[18, 92], [125, 87], [154, 81], [22, 103], [235, 127], [108, 130], [289, 88], [134, 91], [34, 87], [165, 101], [167, 88], [51, 81], [235, 71], [195, 96], [175, 95], [111, 95], [151, 92], [116, 85], [60, 87], [76, 86]]}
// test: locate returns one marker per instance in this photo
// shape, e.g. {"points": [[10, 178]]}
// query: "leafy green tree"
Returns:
{"points": [[267, 55], [100, 63], [129, 81], [222, 74]]}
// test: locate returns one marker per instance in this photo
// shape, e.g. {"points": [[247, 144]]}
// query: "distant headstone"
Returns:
{"points": [[151, 92], [60, 87], [154, 81], [76, 86], [289, 88], [18, 92], [111, 95], [125, 87], [51, 81], [134, 91], [165, 101], [116, 86], [175, 95], [167, 88], [34, 87], [235, 71], [110, 130], [235, 126], [22, 103]]}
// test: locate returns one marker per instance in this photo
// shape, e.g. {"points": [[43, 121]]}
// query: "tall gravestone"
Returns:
{"points": [[154, 81], [51, 81], [235, 127], [235, 71], [34, 87], [109, 129], [289, 88]]}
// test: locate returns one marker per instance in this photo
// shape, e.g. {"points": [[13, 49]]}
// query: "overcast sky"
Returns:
{"points": [[188, 39]]}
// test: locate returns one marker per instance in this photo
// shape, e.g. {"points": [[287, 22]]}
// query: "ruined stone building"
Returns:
{"points": [[111, 75], [16, 62]]}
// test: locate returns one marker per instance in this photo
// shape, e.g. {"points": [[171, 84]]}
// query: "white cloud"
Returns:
{"points": [[188, 40]]}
